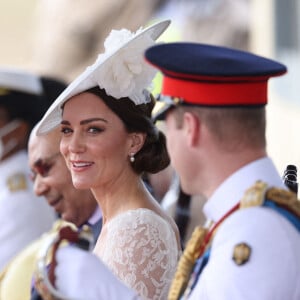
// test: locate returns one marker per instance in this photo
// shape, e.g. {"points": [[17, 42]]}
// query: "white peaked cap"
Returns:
{"points": [[21, 81]]}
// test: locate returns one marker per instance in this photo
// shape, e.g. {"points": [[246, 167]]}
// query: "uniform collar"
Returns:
{"points": [[230, 192]]}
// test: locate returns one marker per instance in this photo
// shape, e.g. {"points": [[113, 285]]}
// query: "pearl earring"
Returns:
{"points": [[131, 157]]}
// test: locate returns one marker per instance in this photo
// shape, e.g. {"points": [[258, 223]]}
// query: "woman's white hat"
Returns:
{"points": [[121, 70]]}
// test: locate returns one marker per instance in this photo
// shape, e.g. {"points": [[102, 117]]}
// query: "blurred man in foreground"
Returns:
{"points": [[24, 97]]}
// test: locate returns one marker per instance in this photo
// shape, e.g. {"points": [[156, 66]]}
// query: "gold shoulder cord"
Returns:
{"points": [[186, 263]]}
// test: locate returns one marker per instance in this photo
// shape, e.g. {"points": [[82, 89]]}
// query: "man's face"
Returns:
{"points": [[52, 180], [182, 149], [175, 144]]}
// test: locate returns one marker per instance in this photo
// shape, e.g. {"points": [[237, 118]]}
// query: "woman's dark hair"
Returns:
{"points": [[153, 156]]}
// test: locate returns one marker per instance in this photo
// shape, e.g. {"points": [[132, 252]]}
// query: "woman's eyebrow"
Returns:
{"points": [[83, 122], [92, 120]]}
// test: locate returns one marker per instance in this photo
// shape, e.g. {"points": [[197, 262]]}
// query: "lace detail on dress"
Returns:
{"points": [[141, 249]]}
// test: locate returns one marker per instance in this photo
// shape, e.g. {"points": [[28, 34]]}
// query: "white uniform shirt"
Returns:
{"points": [[273, 270], [23, 216]]}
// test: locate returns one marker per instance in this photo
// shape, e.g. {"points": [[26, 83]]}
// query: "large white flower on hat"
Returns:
{"points": [[124, 74]]}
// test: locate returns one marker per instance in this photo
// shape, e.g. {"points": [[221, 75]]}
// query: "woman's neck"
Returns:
{"points": [[121, 196]]}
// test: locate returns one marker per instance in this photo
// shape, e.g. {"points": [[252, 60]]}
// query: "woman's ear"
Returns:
{"points": [[137, 141], [191, 126]]}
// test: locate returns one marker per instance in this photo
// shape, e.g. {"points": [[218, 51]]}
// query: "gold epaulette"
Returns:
{"points": [[255, 195], [284, 198], [260, 191], [186, 263]]}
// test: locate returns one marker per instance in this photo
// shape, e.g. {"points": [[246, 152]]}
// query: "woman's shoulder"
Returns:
{"points": [[141, 222], [139, 217]]}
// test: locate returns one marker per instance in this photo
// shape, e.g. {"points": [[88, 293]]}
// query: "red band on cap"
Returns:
{"points": [[216, 93]]}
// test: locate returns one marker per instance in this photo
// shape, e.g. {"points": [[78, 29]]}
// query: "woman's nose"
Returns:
{"points": [[76, 143]]}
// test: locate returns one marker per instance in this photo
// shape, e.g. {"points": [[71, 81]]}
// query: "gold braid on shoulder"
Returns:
{"points": [[260, 191], [285, 198], [186, 263]]}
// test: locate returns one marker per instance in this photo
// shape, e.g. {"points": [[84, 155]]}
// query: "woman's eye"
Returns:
{"points": [[95, 129], [65, 130]]}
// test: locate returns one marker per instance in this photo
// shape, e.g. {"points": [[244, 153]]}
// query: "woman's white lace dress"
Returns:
{"points": [[142, 250]]}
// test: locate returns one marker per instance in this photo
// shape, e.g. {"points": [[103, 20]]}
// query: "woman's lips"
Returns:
{"points": [[80, 165]]}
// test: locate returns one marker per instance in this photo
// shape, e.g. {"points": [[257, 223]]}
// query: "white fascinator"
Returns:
{"points": [[121, 70]]}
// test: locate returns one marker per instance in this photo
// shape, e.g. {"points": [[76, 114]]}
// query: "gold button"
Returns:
{"points": [[241, 253]]}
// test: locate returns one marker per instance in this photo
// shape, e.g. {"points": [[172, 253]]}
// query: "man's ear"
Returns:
{"points": [[137, 142], [192, 126]]}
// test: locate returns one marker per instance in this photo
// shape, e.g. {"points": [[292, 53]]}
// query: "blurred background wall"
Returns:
{"points": [[62, 37], [16, 28]]}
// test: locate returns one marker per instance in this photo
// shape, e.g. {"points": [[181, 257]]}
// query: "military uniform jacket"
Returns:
{"points": [[23, 216], [272, 270]]}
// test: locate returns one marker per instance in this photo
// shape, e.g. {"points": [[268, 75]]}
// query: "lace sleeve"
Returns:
{"points": [[142, 251]]}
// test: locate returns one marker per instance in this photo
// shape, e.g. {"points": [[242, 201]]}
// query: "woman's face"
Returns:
{"points": [[95, 143]]}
